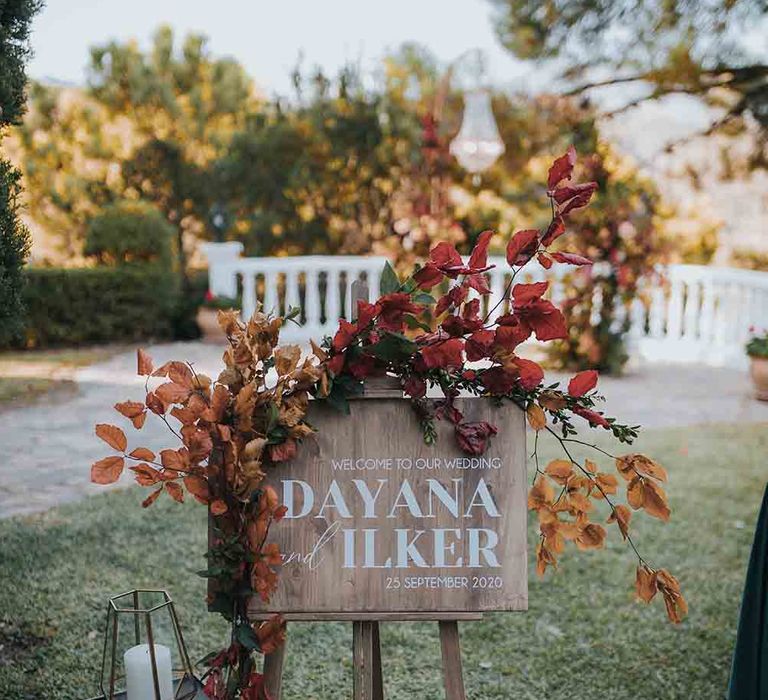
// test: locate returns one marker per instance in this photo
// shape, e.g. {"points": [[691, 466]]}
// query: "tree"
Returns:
{"points": [[676, 47], [15, 19], [147, 125]]}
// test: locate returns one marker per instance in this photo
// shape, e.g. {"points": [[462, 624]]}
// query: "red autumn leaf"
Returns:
{"points": [[198, 487], [366, 312], [561, 169], [344, 335], [149, 500], [479, 256], [362, 366], [392, 308], [554, 231], [478, 282], [511, 333], [146, 475], [580, 200], [563, 194], [175, 491], [454, 297], [479, 344], [336, 364], [544, 260], [444, 353], [415, 387], [279, 513], [219, 507], [107, 470], [522, 247], [593, 417], [582, 383], [571, 259], [428, 277], [530, 373], [144, 363], [473, 437], [113, 436], [284, 451], [498, 381], [445, 258], [143, 453], [544, 319]]}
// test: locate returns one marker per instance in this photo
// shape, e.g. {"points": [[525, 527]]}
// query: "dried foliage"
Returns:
{"points": [[233, 430]]}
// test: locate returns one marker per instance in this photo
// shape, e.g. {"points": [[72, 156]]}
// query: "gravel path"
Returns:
{"points": [[50, 445]]}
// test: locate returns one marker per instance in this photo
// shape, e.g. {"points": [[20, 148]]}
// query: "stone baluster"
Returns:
{"points": [[249, 294]]}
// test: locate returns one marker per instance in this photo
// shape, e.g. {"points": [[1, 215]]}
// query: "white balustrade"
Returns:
{"points": [[689, 313]]}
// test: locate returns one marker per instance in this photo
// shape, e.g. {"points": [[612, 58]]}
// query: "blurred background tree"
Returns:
{"points": [[661, 48], [15, 19]]}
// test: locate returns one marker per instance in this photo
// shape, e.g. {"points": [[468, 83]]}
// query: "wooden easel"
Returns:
{"points": [[367, 677]]}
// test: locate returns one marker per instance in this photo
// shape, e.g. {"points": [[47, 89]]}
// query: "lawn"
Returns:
{"points": [[28, 375], [584, 636]]}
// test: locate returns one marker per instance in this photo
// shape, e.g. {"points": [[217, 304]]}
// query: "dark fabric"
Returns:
{"points": [[749, 669]]}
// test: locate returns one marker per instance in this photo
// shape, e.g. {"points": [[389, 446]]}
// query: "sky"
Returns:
{"points": [[267, 37]]}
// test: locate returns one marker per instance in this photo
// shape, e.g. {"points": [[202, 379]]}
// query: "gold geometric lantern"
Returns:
{"points": [[144, 653]]}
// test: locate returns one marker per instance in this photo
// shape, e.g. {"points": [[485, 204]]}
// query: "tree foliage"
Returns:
{"points": [[15, 19], [682, 46]]}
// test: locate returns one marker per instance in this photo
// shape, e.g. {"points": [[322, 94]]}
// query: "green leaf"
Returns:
{"points": [[412, 322], [424, 298], [392, 347], [389, 280], [246, 636]]}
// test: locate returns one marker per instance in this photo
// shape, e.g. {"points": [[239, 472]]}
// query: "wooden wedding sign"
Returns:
{"points": [[381, 526]]}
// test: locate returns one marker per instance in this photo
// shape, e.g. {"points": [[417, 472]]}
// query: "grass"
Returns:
{"points": [[584, 636], [26, 376]]}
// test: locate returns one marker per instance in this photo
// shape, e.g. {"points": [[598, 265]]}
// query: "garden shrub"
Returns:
{"points": [[98, 305], [129, 232]]}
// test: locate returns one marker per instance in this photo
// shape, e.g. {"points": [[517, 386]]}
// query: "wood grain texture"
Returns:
{"points": [[451, 652], [273, 671], [319, 586]]}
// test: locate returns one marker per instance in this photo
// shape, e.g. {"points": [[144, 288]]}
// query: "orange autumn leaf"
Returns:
{"points": [[544, 558], [631, 465], [144, 363], [645, 583], [559, 470], [537, 419], [180, 373], [674, 602], [146, 475], [107, 470], [133, 410], [183, 415], [113, 436], [541, 494], [648, 495], [218, 507], [621, 515], [149, 500], [592, 536], [170, 393], [175, 491], [198, 487], [174, 459], [271, 554], [271, 634], [143, 454], [607, 485]]}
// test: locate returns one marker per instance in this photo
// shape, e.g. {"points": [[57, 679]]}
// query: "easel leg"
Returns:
{"points": [[363, 661], [273, 671], [378, 680], [452, 676]]}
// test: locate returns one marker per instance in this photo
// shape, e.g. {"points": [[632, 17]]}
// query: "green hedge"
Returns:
{"points": [[99, 305]]}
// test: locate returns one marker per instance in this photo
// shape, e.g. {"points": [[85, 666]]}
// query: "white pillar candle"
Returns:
{"points": [[139, 682]]}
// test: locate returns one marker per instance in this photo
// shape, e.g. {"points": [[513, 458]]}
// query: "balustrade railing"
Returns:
{"points": [[688, 313]]}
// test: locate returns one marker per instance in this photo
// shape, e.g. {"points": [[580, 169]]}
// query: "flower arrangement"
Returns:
{"points": [[252, 418]]}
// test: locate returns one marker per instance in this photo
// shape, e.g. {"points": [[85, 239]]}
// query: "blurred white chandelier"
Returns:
{"points": [[478, 144]]}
